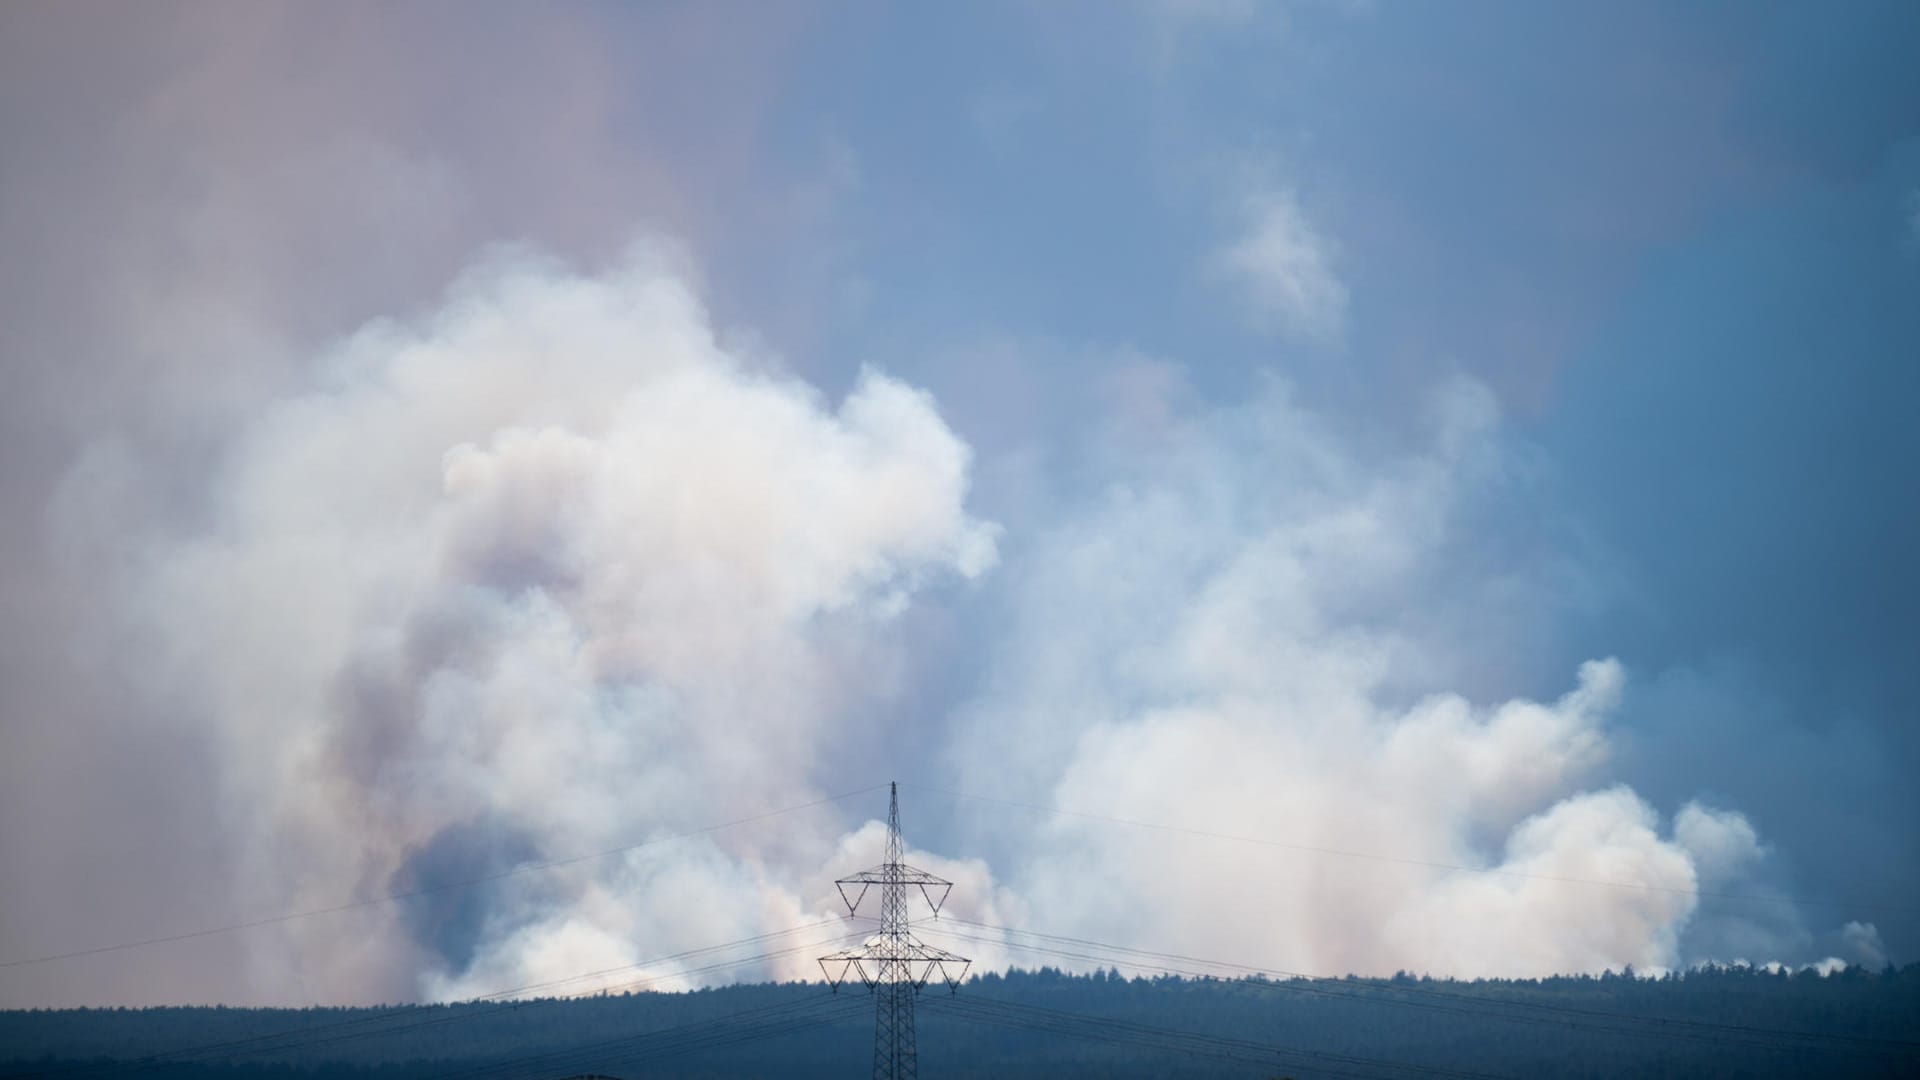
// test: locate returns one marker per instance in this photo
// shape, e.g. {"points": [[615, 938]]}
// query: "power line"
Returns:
{"points": [[574, 1056], [1166, 1040], [1403, 861], [1349, 981], [673, 1040], [1761, 1043], [1601, 1021], [732, 1038], [1111, 1029], [524, 868], [381, 1025], [804, 947], [301, 1038]]}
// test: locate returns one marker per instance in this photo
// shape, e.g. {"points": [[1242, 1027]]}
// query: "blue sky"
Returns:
{"points": [[1477, 432]]}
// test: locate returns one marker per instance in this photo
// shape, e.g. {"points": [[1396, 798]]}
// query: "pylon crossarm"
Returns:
{"points": [[926, 891], [853, 902], [889, 873], [933, 888], [913, 948], [954, 981], [846, 966]]}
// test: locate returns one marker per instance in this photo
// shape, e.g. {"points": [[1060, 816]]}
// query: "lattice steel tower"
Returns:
{"points": [[894, 965]]}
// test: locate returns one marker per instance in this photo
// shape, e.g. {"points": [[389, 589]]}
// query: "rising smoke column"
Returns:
{"points": [[546, 571]]}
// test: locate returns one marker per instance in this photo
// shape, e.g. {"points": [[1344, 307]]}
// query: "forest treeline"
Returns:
{"points": [[1718, 1022]]}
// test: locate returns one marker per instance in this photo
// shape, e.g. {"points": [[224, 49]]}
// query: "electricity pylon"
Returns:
{"points": [[894, 965]]}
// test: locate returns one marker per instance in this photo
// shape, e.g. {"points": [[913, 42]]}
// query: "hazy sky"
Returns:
{"points": [[443, 437]]}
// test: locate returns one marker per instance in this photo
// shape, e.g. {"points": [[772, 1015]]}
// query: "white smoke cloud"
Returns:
{"points": [[1864, 941], [1223, 643], [1567, 913], [1723, 843], [547, 572], [1284, 268]]}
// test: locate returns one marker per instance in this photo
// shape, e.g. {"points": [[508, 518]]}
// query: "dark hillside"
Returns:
{"points": [[1729, 1023]]}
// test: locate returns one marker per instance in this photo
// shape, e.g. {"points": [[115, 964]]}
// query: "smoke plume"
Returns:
{"points": [[547, 572], [1242, 637]]}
